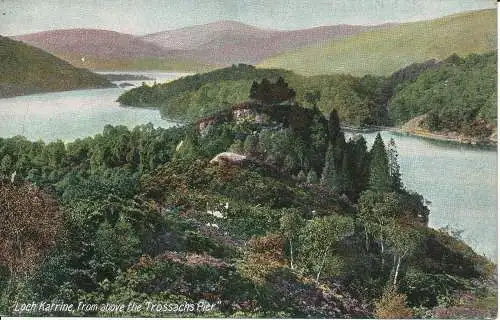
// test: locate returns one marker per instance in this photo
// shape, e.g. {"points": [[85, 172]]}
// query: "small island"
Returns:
{"points": [[125, 77]]}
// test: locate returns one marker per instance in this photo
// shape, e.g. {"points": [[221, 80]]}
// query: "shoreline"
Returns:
{"points": [[427, 135]]}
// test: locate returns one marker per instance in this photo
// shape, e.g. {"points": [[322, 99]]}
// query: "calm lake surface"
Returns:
{"points": [[75, 114], [459, 181]]}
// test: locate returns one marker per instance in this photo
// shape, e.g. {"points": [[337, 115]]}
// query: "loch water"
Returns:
{"points": [[458, 181]]}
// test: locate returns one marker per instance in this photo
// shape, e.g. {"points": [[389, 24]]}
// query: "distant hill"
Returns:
{"points": [[108, 50], [231, 42], [25, 70], [386, 50]]}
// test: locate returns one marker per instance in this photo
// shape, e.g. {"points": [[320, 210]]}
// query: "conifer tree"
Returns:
{"points": [[346, 177], [329, 177], [333, 125], [379, 167], [254, 90], [394, 173]]}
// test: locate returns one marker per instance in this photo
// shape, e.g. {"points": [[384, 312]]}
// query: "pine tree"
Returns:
{"points": [[329, 177], [394, 173], [346, 177], [333, 125], [254, 90], [361, 165], [379, 166]]}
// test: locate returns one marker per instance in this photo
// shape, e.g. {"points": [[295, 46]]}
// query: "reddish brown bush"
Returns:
{"points": [[29, 223]]}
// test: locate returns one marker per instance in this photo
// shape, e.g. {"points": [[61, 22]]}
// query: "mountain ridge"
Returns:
{"points": [[26, 70], [384, 51], [231, 42], [205, 46]]}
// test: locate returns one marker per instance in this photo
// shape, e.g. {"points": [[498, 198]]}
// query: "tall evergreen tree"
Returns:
{"points": [[379, 166], [329, 178], [333, 125], [362, 165], [346, 179], [254, 90], [394, 172]]}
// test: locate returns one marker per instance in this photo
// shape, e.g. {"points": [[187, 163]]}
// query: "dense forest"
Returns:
{"points": [[437, 89], [460, 95], [265, 212]]}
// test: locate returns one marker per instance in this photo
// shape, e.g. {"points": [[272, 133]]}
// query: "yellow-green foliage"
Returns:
{"points": [[392, 305], [384, 51], [140, 64]]}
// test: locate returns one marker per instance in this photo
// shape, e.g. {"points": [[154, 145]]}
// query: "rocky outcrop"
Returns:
{"points": [[228, 158]]}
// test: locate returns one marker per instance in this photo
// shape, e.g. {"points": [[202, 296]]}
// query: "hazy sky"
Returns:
{"points": [[147, 16]]}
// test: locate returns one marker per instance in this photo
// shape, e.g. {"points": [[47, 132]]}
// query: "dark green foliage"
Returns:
{"points": [[395, 175], [429, 290], [312, 97], [380, 178], [195, 96], [333, 125], [329, 177], [459, 95], [267, 92], [199, 95]]}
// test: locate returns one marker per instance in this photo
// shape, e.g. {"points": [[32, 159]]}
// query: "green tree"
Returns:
{"points": [[291, 223], [378, 212], [254, 90], [405, 241], [333, 125], [6, 165], [319, 237], [394, 172], [329, 177], [379, 166]]}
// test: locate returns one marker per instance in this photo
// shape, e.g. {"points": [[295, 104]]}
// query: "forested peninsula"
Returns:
{"points": [[455, 97], [27, 70]]}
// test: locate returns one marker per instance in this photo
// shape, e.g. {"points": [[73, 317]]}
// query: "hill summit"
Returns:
{"points": [[26, 70]]}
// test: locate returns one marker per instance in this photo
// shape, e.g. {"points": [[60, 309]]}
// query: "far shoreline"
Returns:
{"points": [[467, 141]]}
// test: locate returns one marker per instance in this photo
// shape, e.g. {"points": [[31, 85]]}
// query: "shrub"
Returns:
{"points": [[392, 305]]}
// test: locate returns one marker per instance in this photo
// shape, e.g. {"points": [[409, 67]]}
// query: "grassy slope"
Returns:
{"points": [[25, 69], [384, 51], [139, 64]]}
